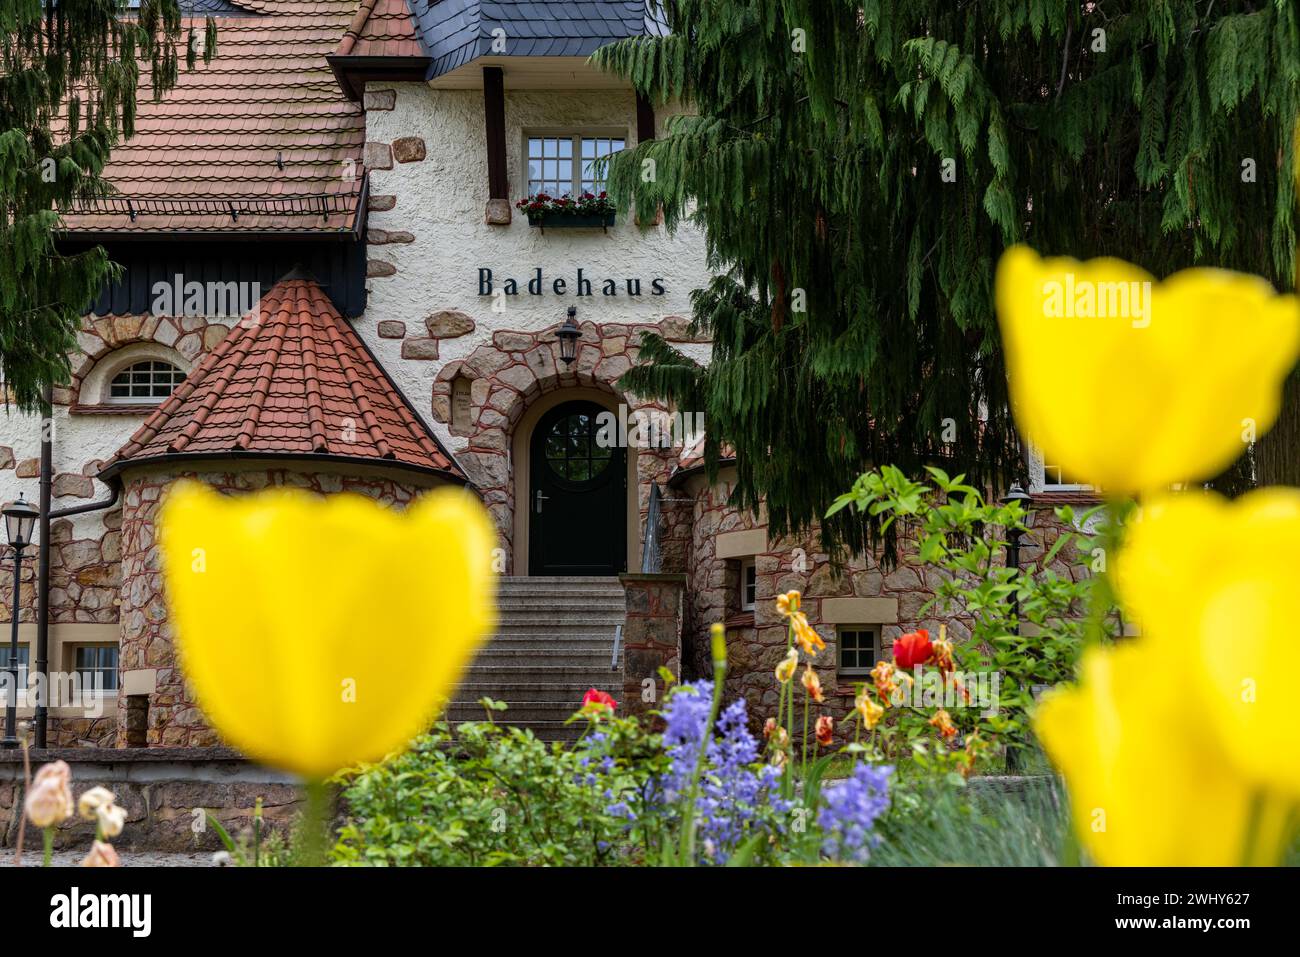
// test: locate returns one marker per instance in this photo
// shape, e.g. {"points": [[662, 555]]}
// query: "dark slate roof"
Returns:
{"points": [[457, 31], [216, 8]]}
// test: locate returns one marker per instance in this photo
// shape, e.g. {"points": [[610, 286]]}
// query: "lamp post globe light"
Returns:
{"points": [[568, 334], [20, 520]]}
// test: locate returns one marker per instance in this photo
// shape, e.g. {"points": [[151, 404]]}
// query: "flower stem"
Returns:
{"points": [[686, 848], [313, 826], [49, 847], [803, 772]]}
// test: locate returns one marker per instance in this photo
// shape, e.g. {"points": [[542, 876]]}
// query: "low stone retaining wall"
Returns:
{"points": [[166, 793]]}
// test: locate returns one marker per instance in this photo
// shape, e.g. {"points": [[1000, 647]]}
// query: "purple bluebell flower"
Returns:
{"points": [[734, 790], [851, 807]]}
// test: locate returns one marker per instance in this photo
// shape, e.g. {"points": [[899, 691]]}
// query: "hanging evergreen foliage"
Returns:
{"points": [[69, 76], [858, 167]]}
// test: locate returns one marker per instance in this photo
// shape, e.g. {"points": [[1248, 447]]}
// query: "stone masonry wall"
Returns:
{"points": [[754, 649]]}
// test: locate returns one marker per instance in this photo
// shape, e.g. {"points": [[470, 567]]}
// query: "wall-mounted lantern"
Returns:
{"points": [[569, 334]]}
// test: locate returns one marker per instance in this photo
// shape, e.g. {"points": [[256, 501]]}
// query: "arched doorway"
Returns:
{"points": [[577, 496]]}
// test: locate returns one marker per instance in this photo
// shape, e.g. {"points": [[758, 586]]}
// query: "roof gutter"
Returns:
{"points": [[114, 469], [354, 72], [680, 476]]}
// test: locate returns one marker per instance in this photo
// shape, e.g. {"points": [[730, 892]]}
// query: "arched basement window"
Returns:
{"points": [[147, 381]]}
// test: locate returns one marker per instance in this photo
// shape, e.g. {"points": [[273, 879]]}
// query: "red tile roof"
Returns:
{"points": [[381, 28], [263, 129], [298, 382]]}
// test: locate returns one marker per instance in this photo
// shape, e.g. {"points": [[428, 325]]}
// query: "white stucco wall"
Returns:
{"points": [[441, 199], [78, 439]]}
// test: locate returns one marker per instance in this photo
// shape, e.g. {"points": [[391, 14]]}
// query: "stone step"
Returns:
{"points": [[536, 623], [551, 645], [569, 603], [575, 593], [523, 713], [493, 670], [536, 691], [542, 650], [610, 581]]}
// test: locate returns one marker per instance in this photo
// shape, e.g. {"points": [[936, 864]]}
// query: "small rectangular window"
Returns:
{"points": [[97, 664], [748, 584], [567, 164], [859, 648]]}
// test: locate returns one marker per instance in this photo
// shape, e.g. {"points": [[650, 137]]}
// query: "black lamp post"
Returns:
{"points": [[569, 334], [20, 519], [1015, 494]]}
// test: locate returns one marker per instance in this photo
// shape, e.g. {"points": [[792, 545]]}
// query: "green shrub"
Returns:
{"points": [[487, 794]]}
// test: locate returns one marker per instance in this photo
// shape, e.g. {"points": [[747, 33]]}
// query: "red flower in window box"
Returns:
{"points": [[541, 205]]}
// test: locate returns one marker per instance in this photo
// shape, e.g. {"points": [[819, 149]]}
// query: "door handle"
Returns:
{"points": [[540, 499]]}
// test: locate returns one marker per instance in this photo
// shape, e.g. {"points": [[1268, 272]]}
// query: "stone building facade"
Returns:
{"points": [[406, 334]]}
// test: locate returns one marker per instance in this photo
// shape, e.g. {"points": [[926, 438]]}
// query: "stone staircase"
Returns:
{"points": [[554, 640]]}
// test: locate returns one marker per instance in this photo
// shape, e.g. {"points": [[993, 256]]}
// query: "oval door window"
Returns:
{"points": [[573, 453]]}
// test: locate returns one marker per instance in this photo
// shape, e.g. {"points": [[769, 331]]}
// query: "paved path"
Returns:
{"points": [[128, 858]]}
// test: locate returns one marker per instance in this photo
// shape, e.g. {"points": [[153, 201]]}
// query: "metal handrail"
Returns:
{"points": [[618, 641]]}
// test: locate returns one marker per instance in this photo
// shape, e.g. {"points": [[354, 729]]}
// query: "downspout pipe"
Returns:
{"points": [[41, 715]]}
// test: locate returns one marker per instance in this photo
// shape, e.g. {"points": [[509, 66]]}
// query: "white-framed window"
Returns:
{"points": [[148, 381], [858, 648], [748, 584], [1048, 477], [565, 163], [96, 663]]}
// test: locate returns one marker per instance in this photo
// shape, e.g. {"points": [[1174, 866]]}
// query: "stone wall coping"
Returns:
{"points": [[665, 577], [124, 755]]}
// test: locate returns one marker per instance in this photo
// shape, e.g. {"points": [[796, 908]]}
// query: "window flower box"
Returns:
{"points": [[586, 212]]}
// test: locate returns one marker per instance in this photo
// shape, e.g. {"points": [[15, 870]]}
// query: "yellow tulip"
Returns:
{"points": [[1132, 384], [318, 633], [1148, 783], [788, 665], [1216, 583]]}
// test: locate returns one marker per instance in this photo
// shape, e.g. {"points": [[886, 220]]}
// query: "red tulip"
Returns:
{"points": [[913, 649], [596, 698]]}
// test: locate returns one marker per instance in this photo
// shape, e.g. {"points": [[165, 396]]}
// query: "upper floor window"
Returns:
{"points": [[748, 584], [566, 164], [1045, 476], [1056, 480], [147, 381]]}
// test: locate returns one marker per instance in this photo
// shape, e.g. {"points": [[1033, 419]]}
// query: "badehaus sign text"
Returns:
{"points": [[582, 283]]}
